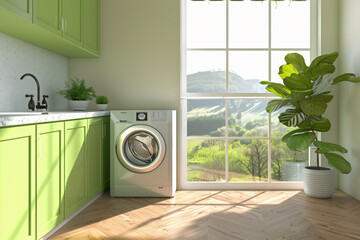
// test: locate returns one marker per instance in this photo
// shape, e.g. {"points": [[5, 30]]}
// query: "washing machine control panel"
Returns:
{"points": [[141, 116]]}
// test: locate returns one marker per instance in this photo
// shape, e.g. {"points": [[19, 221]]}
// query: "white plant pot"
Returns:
{"points": [[319, 183], [293, 171], [101, 107], [77, 105]]}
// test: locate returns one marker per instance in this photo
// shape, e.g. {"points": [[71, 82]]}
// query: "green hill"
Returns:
{"points": [[214, 82]]}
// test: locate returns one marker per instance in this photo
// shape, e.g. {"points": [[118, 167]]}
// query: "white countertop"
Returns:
{"points": [[20, 118]]}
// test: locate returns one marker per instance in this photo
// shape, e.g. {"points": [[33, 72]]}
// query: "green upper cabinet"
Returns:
{"points": [[17, 183], [72, 20], [95, 168], [22, 8], [47, 15], [50, 176], [67, 27], [75, 166], [91, 25]]}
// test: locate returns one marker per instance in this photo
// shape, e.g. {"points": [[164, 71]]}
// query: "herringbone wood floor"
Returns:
{"points": [[218, 215]]}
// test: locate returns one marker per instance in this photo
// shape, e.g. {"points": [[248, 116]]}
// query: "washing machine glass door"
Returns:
{"points": [[140, 148]]}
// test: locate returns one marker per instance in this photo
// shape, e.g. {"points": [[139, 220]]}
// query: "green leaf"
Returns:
{"points": [[338, 162], [323, 97], [322, 125], [319, 70], [302, 130], [298, 82], [297, 61], [287, 70], [291, 117], [276, 104], [301, 141], [347, 77], [313, 106], [278, 89], [266, 82], [326, 58], [324, 147], [297, 96]]}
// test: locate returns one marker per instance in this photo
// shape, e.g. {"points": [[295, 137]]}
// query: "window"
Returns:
{"points": [[228, 47]]}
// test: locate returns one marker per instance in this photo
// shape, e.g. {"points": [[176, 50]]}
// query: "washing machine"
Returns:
{"points": [[143, 153]]}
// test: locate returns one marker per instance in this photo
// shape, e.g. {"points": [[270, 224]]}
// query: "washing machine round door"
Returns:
{"points": [[140, 148]]}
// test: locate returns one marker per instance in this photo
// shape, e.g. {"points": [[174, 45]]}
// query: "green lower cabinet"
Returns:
{"points": [[95, 153], [50, 177], [17, 183], [106, 152], [75, 166], [49, 171]]}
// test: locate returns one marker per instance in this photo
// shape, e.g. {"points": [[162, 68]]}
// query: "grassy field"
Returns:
{"points": [[193, 143]]}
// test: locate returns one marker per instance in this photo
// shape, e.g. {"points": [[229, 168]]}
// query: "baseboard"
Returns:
{"points": [[49, 234]]}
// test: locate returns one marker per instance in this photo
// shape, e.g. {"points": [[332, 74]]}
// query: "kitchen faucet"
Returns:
{"points": [[39, 106]]}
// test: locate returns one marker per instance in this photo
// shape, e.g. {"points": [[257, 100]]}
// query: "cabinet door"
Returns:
{"points": [[46, 15], [50, 177], [72, 17], [106, 152], [94, 143], [75, 166], [22, 8], [91, 25], [17, 183]]}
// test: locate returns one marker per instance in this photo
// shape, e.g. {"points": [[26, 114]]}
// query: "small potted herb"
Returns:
{"points": [[102, 102], [78, 94]]}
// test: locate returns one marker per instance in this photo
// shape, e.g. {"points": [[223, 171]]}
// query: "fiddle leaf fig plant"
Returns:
{"points": [[305, 95]]}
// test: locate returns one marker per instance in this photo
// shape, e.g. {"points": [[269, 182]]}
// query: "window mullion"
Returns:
{"points": [[269, 127], [227, 101], [226, 140]]}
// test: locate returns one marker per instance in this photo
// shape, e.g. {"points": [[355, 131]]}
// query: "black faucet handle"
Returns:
{"points": [[45, 96], [29, 95]]}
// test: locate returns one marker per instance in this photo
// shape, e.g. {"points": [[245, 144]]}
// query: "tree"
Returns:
{"points": [[257, 156]]}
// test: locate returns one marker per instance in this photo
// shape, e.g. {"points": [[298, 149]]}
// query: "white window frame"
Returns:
{"points": [[184, 96]]}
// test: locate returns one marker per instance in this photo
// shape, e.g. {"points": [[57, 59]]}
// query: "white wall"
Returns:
{"points": [[349, 108], [139, 67], [18, 57], [329, 42]]}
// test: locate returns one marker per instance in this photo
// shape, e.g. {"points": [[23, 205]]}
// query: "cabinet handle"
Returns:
{"points": [[62, 24], [65, 25], [40, 149]]}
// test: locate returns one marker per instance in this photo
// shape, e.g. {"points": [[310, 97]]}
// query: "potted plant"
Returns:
{"points": [[78, 94], [102, 102], [305, 95]]}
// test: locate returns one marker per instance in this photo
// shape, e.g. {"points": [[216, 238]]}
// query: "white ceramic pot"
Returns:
{"points": [[77, 105], [293, 171], [101, 107], [319, 183]]}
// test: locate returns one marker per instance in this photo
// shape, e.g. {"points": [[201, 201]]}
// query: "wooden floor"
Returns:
{"points": [[218, 215]]}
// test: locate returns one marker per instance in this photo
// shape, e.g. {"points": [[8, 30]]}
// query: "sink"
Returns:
{"points": [[20, 113]]}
